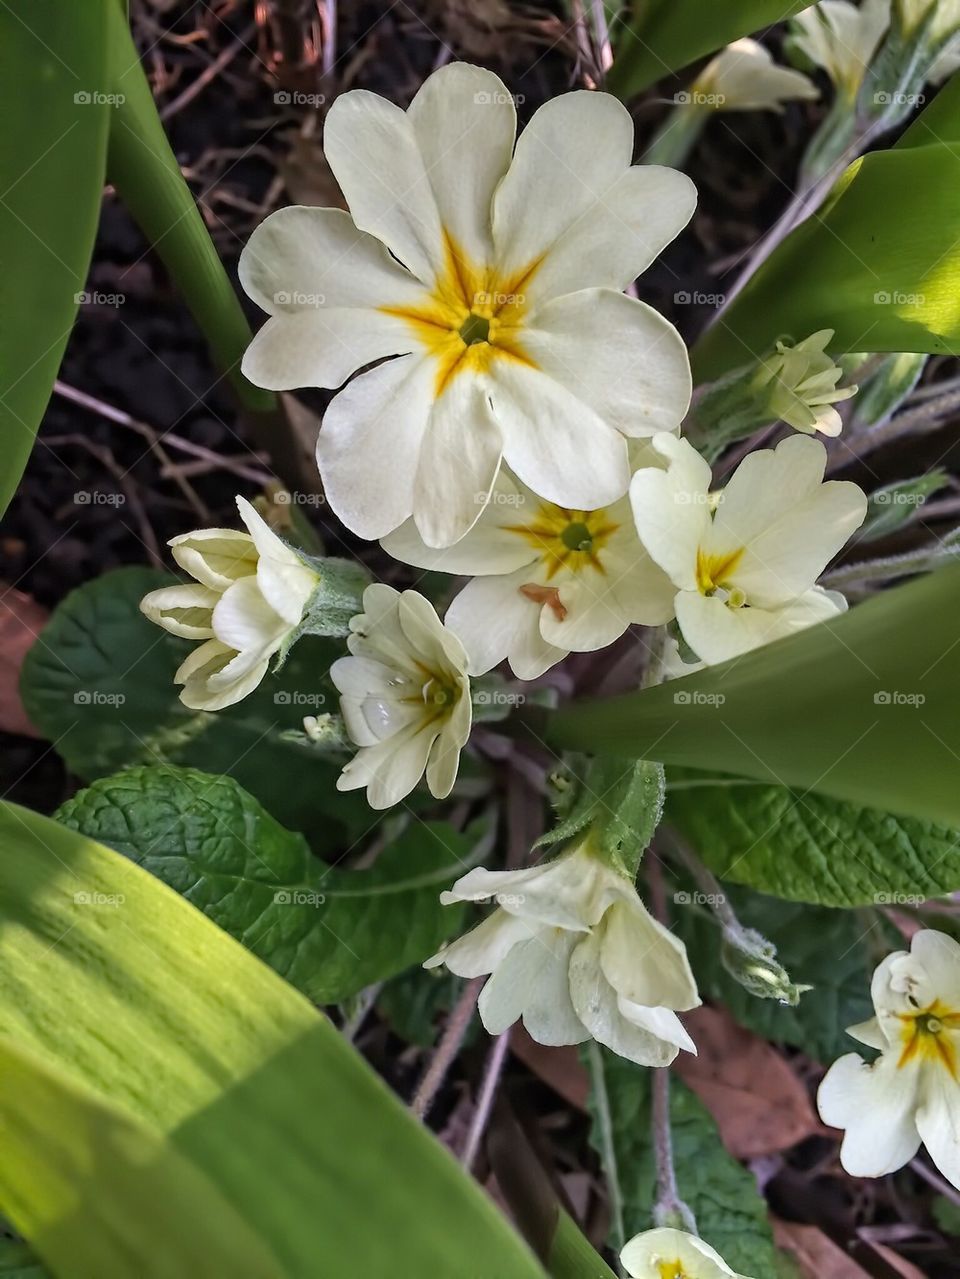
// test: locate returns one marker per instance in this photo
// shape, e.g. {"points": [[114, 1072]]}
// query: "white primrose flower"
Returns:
{"points": [[842, 38], [800, 382], [404, 697], [744, 77], [249, 596], [572, 951], [911, 1092], [495, 273], [745, 562], [673, 1254], [547, 580], [913, 13]]}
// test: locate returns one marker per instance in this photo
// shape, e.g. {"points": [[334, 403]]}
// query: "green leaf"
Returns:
{"points": [[18, 1261], [103, 1194], [850, 267], [99, 683], [894, 505], [811, 848], [329, 932], [52, 80], [834, 951], [862, 708], [665, 35], [113, 979], [731, 1215]]}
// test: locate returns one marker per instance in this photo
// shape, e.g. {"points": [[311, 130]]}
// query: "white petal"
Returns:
{"points": [[495, 621], [643, 961], [531, 983], [615, 354], [643, 1256], [245, 621], [716, 633], [391, 769], [215, 556], [939, 955], [876, 1105], [369, 445], [662, 1022], [182, 610], [202, 675], [556, 444], [561, 892], [465, 122], [869, 1033], [485, 947], [670, 508], [321, 347], [285, 582], [595, 1002], [596, 220], [745, 77], [459, 460], [371, 147], [938, 1118]]}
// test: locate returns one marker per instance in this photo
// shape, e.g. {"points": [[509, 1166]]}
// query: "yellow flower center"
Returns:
{"points": [[715, 571], [471, 317], [672, 1270], [923, 1036], [567, 539]]}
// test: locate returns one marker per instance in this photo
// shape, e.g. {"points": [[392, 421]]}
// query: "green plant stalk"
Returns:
{"points": [[143, 169]]}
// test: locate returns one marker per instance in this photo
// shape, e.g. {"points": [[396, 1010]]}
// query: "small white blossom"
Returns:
{"points": [[249, 596], [573, 952], [842, 38], [911, 1092], [800, 381], [404, 697], [745, 562], [946, 18], [673, 1254], [494, 273], [744, 77], [547, 580]]}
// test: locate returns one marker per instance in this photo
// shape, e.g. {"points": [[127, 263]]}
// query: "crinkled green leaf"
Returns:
{"points": [[731, 1215], [329, 932], [811, 848], [99, 683]]}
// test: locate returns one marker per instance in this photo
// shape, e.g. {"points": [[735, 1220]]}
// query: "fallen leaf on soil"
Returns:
{"points": [[814, 1252], [758, 1103], [21, 619]]}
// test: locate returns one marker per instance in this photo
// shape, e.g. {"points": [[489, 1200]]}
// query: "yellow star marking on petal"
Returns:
{"points": [[671, 1270], [715, 570], [470, 318], [565, 538], [923, 1038]]}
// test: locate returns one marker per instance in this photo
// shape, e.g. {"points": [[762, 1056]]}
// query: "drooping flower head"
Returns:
{"points": [[745, 562], [911, 1092], [249, 596], [404, 696], [842, 38], [673, 1254], [495, 274], [546, 580], [744, 77], [572, 951]]}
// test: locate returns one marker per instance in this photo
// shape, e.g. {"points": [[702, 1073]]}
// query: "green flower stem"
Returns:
{"points": [[678, 135], [605, 1123]]}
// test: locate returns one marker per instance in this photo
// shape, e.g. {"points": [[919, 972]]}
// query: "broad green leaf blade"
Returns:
{"points": [[665, 35], [329, 932], [115, 979], [810, 848], [863, 708], [19, 1261], [879, 263], [100, 1193], [833, 951], [52, 162], [731, 1215], [99, 683]]}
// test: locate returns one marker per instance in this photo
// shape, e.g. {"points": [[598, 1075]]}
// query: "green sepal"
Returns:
{"points": [[335, 602], [751, 960]]}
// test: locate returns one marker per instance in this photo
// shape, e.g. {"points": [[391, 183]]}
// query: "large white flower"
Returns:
{"points": [[496, 274], [547, 580], [744, 77], [745, 562], [842, 38], [673, 1254], [573, 952], [404, 696], [911, 1092], [249, 596]]}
